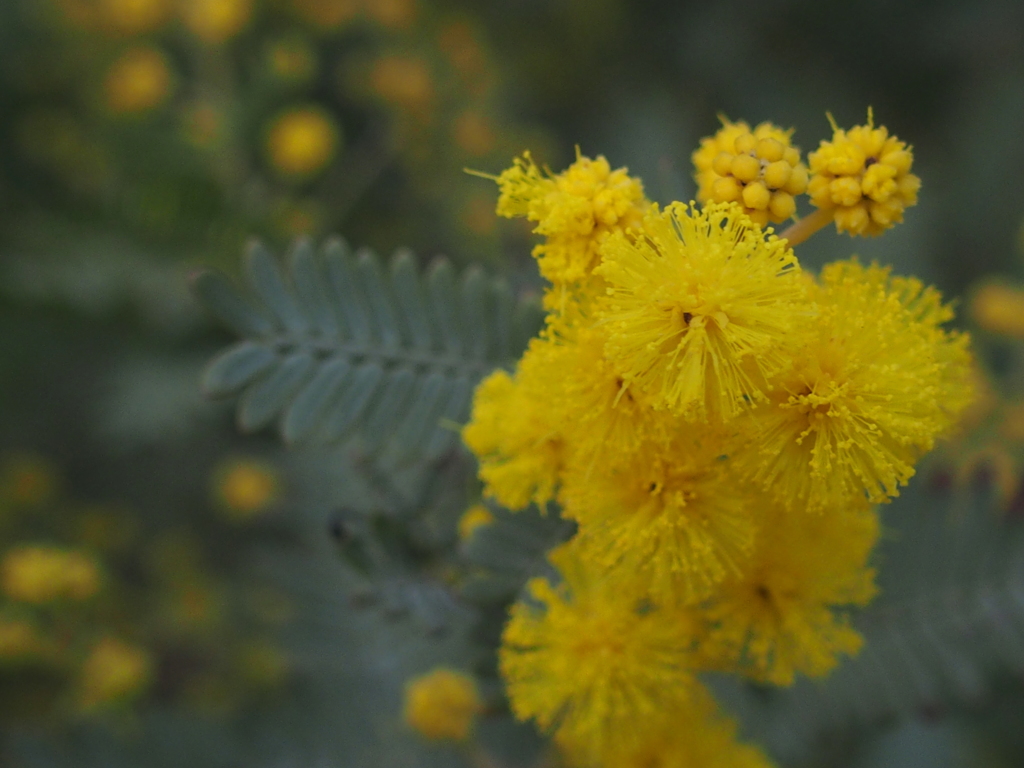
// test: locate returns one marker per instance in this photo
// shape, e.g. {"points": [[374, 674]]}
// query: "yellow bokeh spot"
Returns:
{"points": [[397, 14], [216, 21], [475, 517], [473, 133], [863, 177], [114, 670], [138, 81], [757, 168], [18, 639], [459, 43], [302, 141], [41, 574], [441, 705], [246, 488], [133, 17], [327, 13], [999, 308], [404, 81]]}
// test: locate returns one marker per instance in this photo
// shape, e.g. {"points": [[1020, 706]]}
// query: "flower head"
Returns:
{"points": [[610, 422], [575, 210], [863, 175], [875, 383], [757, 169], [701, 309], [702, 737], [669, 524], [779, 616], [442, 704], [514, 431], [584, 662]]}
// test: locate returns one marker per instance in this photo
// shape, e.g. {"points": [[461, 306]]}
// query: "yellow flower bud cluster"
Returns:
{"points": [[758, 169], [860, 179], [575, 211], [718, 423], [863, 175]]}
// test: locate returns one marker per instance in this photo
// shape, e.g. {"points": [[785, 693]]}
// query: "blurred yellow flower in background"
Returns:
{"points": [[40, 574], [302, 141], [113, 670], [138, 81], [245, 488], [473, 133], [133, 17], [999, 308], [397, 14], [404, 81], [442, 704], [216, 21], [18, 639]]}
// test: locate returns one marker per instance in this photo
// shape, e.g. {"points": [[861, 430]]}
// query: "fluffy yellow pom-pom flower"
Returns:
{"points": [[701, 737], [701, 309], [575, 211], [514, 431], [863, 176], [669, 524], [609, 422], [875, 383], [758, 169], [442, 704], [585, 662], [779, 616]]}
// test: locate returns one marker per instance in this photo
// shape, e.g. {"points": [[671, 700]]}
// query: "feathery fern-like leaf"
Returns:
{"points": [[337, 344]]}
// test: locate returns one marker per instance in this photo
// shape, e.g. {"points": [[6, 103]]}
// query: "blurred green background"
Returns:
{"points": [[142, 139]]}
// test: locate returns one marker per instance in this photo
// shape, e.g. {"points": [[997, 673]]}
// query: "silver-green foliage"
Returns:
{"points": [[338, 344]]}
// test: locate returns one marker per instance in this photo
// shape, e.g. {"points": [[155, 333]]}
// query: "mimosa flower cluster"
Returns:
{"points": [[718, 422]]}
